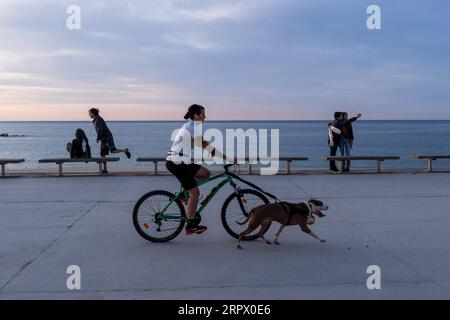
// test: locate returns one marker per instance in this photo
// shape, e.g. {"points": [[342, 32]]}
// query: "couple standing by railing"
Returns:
{"points": [[340, 135]]}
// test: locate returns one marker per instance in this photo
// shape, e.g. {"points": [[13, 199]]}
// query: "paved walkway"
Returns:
{"points": [[400, 222]]}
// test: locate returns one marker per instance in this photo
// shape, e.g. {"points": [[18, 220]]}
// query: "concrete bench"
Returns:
{"points": [[60, 162], [288, 161], [154, 160], [430, 160], [378, 160], [4, 162]]}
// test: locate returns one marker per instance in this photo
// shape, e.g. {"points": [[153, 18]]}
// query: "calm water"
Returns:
{"points": [[297, 138]]}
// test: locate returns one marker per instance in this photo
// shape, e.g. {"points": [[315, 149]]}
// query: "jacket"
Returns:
{"points": [[334, 137], [102, 129], [80, 149]]}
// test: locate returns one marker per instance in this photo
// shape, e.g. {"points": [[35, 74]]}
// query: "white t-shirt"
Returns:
{"points": [[183, 143]]}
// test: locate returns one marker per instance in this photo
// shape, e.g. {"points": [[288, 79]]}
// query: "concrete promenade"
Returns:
{"points": [[398, 221]]}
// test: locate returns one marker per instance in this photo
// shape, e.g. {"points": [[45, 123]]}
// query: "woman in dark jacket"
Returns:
{"points": [[79, 148], [105, 137]]}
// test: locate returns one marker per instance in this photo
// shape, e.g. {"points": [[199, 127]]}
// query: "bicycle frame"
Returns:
{"points": [[228, 178]]}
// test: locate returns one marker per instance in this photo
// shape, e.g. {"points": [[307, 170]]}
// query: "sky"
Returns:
{"points": [[242, 60]]}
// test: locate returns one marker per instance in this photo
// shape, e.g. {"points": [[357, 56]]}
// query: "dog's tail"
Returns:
{"points": [[246, 219]]}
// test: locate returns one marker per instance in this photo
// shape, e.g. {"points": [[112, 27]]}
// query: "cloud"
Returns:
{"points": [[19, 76], [198, 11], [105, 35], [195, 41], [302, 58]]}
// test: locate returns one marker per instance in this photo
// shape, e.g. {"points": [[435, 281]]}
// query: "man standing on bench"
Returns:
{"points": [[105, 137]]}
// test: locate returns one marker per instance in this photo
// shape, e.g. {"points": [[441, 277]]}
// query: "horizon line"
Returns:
{"points": [[183, 120]]}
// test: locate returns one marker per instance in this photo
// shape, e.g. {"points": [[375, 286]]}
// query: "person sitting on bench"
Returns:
{"points": [[79, 148]]}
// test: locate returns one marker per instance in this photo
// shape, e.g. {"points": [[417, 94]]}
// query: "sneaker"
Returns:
{"points": [[334, 170], [195, 229], [104, 171], [127, 153]]}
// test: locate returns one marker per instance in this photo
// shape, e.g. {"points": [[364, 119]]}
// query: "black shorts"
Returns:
{"points": [[106, 146], [185, 173]]}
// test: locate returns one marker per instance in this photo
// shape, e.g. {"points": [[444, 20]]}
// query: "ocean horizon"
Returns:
{"points": [[312, 120], [404, 138]]}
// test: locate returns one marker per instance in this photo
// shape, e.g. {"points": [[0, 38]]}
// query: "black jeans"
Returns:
{"points": [[333, 151]]}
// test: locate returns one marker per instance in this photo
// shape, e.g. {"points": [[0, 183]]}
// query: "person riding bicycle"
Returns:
{"points": [[179, 163]]}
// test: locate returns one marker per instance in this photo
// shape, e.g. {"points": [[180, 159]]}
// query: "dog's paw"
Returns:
{"points": [[239, 246], [276, 243], [323, 240], [268, 242]]}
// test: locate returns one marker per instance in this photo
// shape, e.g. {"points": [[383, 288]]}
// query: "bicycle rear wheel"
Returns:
{"points": [[233, 217], [154, 225]]}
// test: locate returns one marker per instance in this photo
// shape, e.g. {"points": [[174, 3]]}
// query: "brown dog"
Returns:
{"points": [[300, 214]]}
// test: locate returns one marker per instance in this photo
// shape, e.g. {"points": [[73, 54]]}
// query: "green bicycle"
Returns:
{"points": [[159, 215]]}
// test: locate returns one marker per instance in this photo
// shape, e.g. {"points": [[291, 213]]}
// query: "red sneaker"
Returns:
{"points": [[196, 230]]}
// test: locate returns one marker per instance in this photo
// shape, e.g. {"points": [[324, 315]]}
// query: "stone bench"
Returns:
{"points": [[60, 162], [154, 160], [378, 160], [430, 160], [288, 161], [4, 162]]}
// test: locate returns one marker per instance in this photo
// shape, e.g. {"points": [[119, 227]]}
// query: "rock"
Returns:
{"points": [[5, 135]]}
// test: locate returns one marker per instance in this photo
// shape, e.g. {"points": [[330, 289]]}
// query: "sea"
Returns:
{"points": [[37, 140]]}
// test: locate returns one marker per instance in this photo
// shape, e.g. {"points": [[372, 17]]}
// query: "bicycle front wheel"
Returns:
{"points": [[233, 215], [157, 218]]}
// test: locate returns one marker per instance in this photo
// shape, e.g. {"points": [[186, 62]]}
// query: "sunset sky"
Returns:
{"points": [[248, 59]]}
